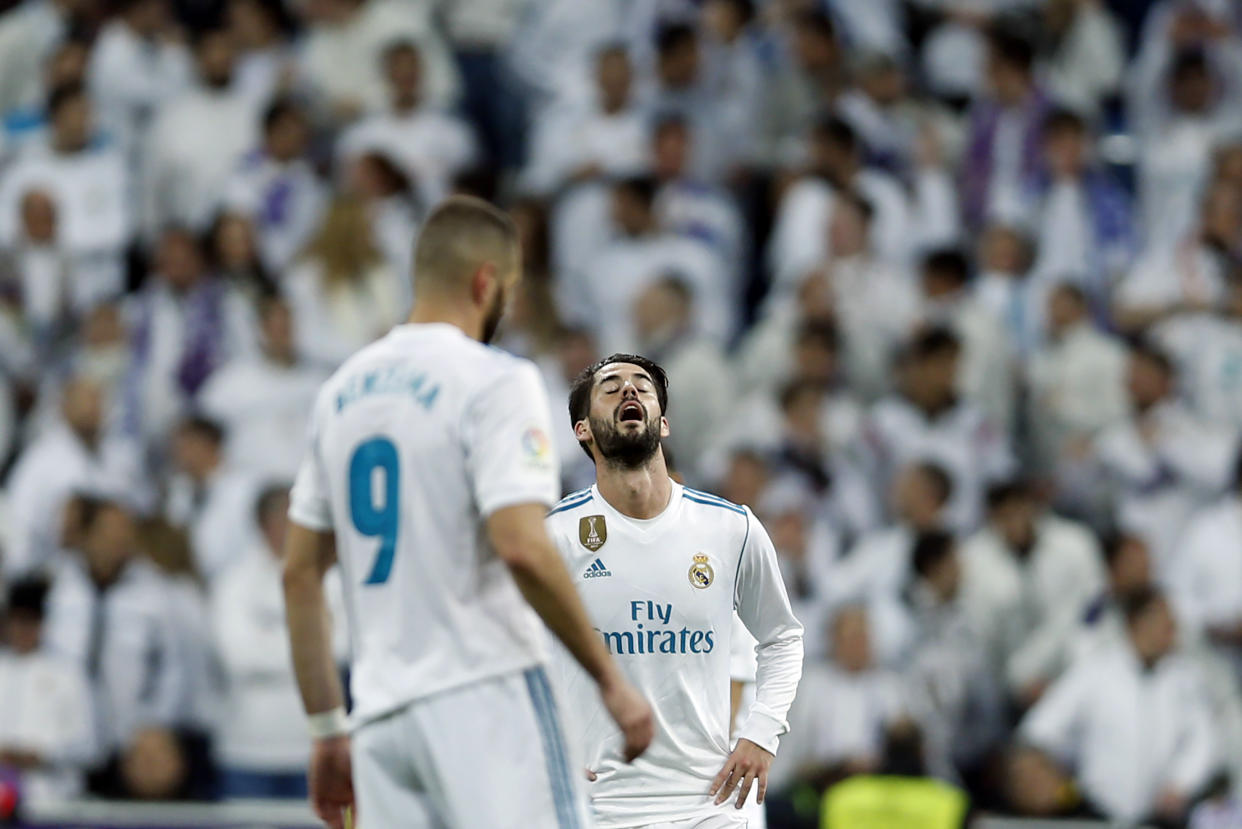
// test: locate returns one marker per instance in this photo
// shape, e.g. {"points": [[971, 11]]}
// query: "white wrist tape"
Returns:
{"points": [[332, 723]]}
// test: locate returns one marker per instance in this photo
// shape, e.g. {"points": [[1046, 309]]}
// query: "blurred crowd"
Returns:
{"points": [[949, 291]]}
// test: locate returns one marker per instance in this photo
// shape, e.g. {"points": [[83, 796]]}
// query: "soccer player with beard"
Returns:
{"points": [[661, 569], [428, 477]]}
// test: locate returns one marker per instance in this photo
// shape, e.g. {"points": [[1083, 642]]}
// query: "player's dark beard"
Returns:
{"points": [[629, 451], [491, 322]]}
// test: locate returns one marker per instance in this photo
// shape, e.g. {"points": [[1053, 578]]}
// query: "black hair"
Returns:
{"points": [[580, 390], [1063, 119], [90, 506], [213, 29], [1073, 290], [940, 479], [930, 548], [282, 106], [1187, 60], [204, 427], [63, 94], [836, 130], [1112, 542], [933, 342], [745, 9], [1147, 350], [815, 22], [1005, 492], [819, 332], [1137, 601], [671, 36], [27, 597], [642, 188], [1012, 46], [949, 261], [397, 47]]}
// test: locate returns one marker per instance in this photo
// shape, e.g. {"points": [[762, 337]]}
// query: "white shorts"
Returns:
{"points": [[490, 754], [709, 822]]}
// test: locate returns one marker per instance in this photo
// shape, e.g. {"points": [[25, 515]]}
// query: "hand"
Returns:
{"points": [[632, 715], [591, 776], [1170, 804], [747, 764], [331, 780]]}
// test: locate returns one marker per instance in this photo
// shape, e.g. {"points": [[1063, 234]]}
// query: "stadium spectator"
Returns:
{"points": [[265, 58], [47, 732], [1131, 721], [27, 38], [77, 453], [927, 421], [431, 146], [1084, 59], [210, 498], [1205, 345], [24, 127], [1027, 578], [196, 140], [233, 255], [1129, 570], [343, 293], [1003, 284], [806, 85], [276, 185], [88, 185]]}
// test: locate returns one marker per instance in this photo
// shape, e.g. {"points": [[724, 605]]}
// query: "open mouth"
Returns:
{"points": [[631, 411]]}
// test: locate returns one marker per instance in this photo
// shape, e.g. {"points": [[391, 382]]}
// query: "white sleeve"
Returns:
{"points": [[509, 454], [763, 606], [309, 503], [1196, 755]]}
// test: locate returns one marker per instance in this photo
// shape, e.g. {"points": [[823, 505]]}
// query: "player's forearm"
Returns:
{"points": [[310, 624], [776, 683], [546, 585]]}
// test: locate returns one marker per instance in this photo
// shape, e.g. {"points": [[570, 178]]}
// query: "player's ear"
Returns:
{"points": [[483, 283], [582, 431], [663, 427]]}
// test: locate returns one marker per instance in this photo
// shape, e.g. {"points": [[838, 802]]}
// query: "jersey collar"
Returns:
{"points": [[642, 527]]}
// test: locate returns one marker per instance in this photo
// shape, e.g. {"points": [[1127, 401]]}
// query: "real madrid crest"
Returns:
{"points": [[592, 532], [701, 573]]}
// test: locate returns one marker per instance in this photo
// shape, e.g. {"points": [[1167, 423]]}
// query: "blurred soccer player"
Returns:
{"points": [[428, 476], [661, 568]]}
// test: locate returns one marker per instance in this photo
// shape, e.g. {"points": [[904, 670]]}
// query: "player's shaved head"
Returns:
{"points": [[460, 236]]}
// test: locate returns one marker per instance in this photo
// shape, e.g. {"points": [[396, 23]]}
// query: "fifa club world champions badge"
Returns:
{"points": [[592, 532]]}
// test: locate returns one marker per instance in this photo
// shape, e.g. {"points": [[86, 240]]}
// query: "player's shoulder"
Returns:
{"points": [[571, 504], [713, 509]]}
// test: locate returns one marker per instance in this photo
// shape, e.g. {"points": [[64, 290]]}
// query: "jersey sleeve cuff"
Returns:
{"points": [[309, 518], [513, 497], [762, 730]]}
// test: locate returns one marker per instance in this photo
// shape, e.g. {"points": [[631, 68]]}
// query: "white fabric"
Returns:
{"points": [[334, 321], [47, 711], [1030, 609], [1207, 349], [661, 592], [1089, 59], [986, 368], [1131, 733], [455, 431], [1165, 277], [219, 515], [1207, 585], [265, 409], [285, 201], [420, 767], [28, 34], [569, 138]]}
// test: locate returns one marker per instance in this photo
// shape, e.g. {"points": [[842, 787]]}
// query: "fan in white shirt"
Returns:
{"points": [[1132, 719], [661, 569]]}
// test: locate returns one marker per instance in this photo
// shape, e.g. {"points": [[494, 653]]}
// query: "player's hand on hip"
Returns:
{"points": [[746, 766], [331, 780], [631, 713]]}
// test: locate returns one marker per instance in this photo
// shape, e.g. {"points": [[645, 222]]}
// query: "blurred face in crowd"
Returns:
{"points": [[941, 283], [1229, 165], [835, 159], [815, 359], [917, 498], [153, 766], [931, 380], [23, 630], [233, 243], [945, 577], [847, 229], [670, 151], [38, 213], [72, 124], [195, 453], [82, 406], [216, 54], [1065, 149], [1153, 631], [630, 212], [746, 479], [148, 17], [1130, 567], [1222, 215], [884, 83], [1065, 309], [1191, 89], [1010, 82], [802, 407], [613, 77], [661, 312], [405, 76], [179, 260], [1014, 520], [250, 23], [288, 136], [724, 19], [1003, 251], [624, 421], [277, 331], [576, 351], [851, 640], [815, 50], [678, 66], [816, 298], [104, 327], [66, 65], [788, 528], [109, 542], [1148, 382]]}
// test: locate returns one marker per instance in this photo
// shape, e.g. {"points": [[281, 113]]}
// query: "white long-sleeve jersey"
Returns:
{"points": [[662, 592]]}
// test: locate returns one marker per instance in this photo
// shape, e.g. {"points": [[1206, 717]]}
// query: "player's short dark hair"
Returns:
{"points": [[281, 107], [934, 342], [930, 548], [939, 478], [199, 425], [1137, 601], [580, 390], [63, 94], [1005, 493], [950, 262], [1011, 45], [672, 36], [642, 188], [27, 598]]}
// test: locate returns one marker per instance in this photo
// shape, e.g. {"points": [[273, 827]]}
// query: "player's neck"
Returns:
{"points": [[640, 493], [430, 311]]}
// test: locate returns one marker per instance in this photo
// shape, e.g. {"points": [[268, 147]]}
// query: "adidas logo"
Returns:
{"points": [[597, 570]]}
